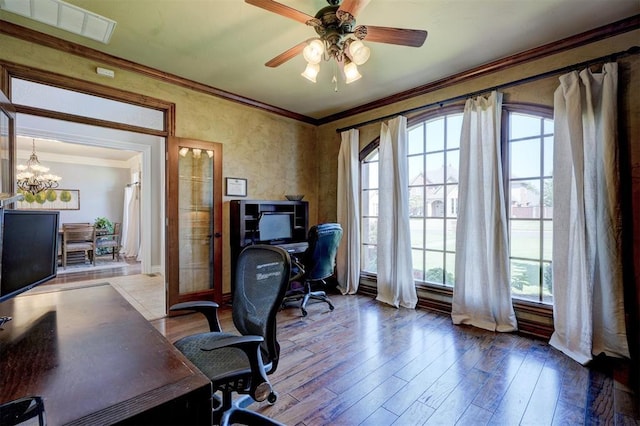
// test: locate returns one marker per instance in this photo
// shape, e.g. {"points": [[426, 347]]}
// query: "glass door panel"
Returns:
{"points": [[195, 227]]}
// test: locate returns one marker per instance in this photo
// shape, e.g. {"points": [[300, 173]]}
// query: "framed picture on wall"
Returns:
{"points": [[52, 199], [236, 187]]}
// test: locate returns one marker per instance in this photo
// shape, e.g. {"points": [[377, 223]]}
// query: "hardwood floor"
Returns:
{"points": [[132, 268], [367, 363]]}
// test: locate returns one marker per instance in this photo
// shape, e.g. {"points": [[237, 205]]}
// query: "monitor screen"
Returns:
{"points": [[29, 250], [275, 227]]}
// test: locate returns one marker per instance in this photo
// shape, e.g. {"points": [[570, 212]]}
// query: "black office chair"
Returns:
{"points": [[315, 265], [241, 363]]}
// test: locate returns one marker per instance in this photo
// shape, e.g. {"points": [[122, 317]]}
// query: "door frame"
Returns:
{"points": [[11, 70]]}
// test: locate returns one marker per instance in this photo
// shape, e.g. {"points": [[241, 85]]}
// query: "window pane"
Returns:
{"points": [[434, 269], [435, 201], [547, 198], [416, 140], [416, 170], [373, 156], [416, 201], [450, 272], [547, 166], [525, 158], [523, 126], [453, 164], [547, 283], [435, 168], [548, 127], [417, 257], [370, 203], [525, 198], [547, 240], [369, 173], [63, 100], [369, 230], [417, 232], [450, 242], [435, 234], [525, 239], [435, 135], [452, 200], [525, 279], [454, 128], [369, 258]]}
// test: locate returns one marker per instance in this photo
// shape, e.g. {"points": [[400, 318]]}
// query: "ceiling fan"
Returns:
{"points": [[338, 36]]}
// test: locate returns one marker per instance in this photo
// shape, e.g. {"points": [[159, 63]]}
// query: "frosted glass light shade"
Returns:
{"points": [[311, 72], [351, 73], [359, 52], [313, 51]]}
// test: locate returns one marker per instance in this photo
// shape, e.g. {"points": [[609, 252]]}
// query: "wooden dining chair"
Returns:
{"points": [[111, 241], [79, 239]]}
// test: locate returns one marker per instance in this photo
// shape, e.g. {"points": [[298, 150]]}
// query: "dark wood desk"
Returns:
{"points": [[96, 360]]}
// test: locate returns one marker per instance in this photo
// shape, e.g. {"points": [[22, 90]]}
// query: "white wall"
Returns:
{"points": [[101, 190]]}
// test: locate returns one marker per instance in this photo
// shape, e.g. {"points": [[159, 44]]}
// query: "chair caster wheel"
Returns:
{"points": [[272, 398], [331, 307], [304, 312]]}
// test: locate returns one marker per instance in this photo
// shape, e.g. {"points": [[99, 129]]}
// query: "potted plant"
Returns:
{"points": [[103, 223]]}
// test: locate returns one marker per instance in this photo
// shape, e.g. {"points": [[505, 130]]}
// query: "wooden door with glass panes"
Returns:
{"points": [[194, 220]]}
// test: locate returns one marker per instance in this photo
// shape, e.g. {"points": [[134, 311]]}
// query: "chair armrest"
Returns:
{"points": [[250, 345], [207, 308]]}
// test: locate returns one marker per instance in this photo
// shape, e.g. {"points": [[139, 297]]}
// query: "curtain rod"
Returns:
{"points": [[611, 57]]}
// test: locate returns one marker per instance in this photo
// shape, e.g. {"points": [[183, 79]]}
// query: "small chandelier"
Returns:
{"points": [[33, 177]]}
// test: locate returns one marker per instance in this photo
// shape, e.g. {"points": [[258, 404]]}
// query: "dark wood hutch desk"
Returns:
{"points": [[96, 360]]}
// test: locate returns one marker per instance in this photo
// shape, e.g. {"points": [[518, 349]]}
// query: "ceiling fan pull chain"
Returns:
{"points": [[334, 80]]}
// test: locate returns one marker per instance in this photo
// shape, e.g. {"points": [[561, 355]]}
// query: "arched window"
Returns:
{"points": [[433, 155]]}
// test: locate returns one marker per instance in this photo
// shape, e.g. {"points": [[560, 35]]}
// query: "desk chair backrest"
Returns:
{"points": [[262, 278], [320, 258]]}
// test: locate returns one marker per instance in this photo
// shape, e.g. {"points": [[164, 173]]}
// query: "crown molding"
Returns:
{"points": [[616, 28], [26, 34]]}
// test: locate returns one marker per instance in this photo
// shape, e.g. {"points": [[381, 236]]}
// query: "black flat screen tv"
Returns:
{"points": [[29, 250], [275, 227]]}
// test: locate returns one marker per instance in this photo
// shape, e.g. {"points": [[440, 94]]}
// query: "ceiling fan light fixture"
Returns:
{"points": [[351, 73], [359, 52], [311, 72], [313, 51]]}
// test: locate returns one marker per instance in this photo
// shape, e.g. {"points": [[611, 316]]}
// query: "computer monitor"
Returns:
{"points": [[29, 250], [275, 227]]}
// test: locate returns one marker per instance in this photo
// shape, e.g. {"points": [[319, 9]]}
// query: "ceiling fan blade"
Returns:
{"points": [[281, 9], [401, 36], [285, 56], [353, 7]]}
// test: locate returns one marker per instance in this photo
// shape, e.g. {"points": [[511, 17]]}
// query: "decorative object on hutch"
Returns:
{"points": [[33, 177]]}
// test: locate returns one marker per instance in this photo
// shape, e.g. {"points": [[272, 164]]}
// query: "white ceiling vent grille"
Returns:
{"points": [[65, 16]]}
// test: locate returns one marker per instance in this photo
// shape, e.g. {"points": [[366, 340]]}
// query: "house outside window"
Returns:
{"points": [[433, 154], [432, 162]]}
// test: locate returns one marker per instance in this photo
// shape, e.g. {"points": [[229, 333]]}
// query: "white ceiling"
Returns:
{"points": [[225, 43]]}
